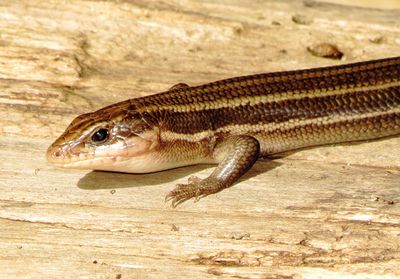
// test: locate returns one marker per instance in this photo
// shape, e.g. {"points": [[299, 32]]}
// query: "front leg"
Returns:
{"points": [[236, 155]]}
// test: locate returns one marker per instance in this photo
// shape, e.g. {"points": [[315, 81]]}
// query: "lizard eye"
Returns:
{"points": [[100, 135]]}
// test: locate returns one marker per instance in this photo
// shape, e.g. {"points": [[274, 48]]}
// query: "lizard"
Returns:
{"points": [[233, 122]]}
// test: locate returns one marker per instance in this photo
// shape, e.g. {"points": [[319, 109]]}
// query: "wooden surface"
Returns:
{"points": [[328, 212]]}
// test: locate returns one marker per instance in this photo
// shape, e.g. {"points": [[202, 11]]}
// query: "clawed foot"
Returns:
{"points": [[196, 188]]}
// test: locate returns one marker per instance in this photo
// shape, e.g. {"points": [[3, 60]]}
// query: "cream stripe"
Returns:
{"points": [[269, 98], [271, 127]]}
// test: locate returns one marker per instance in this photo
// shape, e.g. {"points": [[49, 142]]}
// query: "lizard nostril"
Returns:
{"points": [[57, 154], [54, 154]]}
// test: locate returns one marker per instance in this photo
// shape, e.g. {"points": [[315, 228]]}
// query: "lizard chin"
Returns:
{"points": [[144, 163]]}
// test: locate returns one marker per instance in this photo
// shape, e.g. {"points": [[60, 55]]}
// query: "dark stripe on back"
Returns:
{"points": [[386, 70], [285, 110], [328, 133]]}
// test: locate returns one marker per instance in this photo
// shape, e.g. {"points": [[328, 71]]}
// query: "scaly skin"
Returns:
{"points": [[234, 121]]}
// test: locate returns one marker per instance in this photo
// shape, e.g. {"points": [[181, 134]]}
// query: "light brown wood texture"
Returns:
{"points": [[328, 212]]}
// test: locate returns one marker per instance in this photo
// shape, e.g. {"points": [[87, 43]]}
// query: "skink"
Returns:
{"points": [[233, 122]]}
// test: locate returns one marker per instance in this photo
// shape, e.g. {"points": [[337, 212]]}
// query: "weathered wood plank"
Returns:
{"points": [[324, 212]]}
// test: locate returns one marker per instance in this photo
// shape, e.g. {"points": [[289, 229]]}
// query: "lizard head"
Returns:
{"points": [[114, 138]]}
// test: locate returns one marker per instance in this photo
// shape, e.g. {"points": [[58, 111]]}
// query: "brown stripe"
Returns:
{"points": [[327, 133], [343, 76], [282, 111]]}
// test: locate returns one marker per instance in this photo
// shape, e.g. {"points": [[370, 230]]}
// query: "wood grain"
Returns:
{"points": [[325, 212]]}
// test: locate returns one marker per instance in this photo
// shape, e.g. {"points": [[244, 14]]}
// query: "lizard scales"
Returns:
{"points": [[235, 121]]}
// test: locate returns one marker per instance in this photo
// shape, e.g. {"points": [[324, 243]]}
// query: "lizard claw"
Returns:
{"points": [[196, 188], [180, 194]]}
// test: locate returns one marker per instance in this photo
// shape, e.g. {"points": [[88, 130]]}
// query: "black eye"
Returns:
{"points": [[100, 135]]}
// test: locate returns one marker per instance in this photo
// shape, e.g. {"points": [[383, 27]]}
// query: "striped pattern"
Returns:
{"points": [[272, 86], [235, 121], [283, 110], [287, 110]]}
